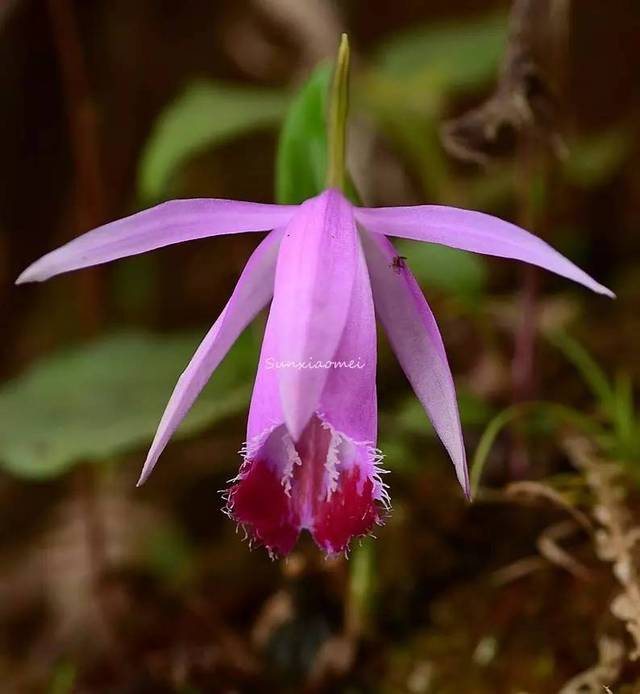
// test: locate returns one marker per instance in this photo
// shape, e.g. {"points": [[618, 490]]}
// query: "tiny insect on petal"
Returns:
{"points": [[472, 231]]}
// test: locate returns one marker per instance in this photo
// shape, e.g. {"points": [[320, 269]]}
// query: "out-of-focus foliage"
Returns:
{"points": [[205, 114], [168, 554], [301, 164], [430, 61], [614, 425], [412, 76], [406, 90], [619, 435], [63, 679], [105, 398], [410, 418], [362, 587], [593, 160], [407, 426]]}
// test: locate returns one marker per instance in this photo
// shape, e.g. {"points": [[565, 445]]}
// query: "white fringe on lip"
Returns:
{"points": [[247, 451], [251, 447], [333, 459], [381, 489], [293, 459], [332, 463], [374, 457]]}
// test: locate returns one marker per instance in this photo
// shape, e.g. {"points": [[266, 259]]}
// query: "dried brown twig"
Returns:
{"points": [[530, 488], [615, 540], [524, 103], [606, 670], [549, 547], [548, 543], [617, 537]]}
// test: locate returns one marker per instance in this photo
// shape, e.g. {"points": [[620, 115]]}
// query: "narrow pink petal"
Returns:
{"points": [[472, 231], [348, 401], [265, 411], [168, 223], [314, 279], [252, 292], [416, 341]]}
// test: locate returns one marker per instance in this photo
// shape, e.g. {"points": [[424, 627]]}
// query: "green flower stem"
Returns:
{"points": [[337, 118]]}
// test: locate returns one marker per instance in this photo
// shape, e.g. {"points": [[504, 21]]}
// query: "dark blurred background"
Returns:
{"points": [[108, 107]]}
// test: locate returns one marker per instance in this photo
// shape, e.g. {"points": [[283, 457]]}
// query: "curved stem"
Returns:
{"points": [[501, 420]]}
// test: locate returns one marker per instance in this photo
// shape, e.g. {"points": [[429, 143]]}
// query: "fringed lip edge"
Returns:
{"points": [[375, 458]]}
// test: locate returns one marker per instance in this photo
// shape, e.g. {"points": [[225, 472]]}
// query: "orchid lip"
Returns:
{"points": [[325, 484]]}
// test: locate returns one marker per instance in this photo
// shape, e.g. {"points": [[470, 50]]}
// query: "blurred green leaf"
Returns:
{"points": [[302, 149], [413, 75], [474, 411], [594, 160], [409, 417], [169, 554], [362, 588], [624, 416], [204, 115], [614, 397], [301, 166], [555, 415], [398, 453], [455, 272], [592, 374], [105, 398], [63, 678], [414, 132], [134, 285], [447, 57]]}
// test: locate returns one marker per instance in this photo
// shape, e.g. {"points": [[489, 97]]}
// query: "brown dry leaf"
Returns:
{"points": [[616, 539]]}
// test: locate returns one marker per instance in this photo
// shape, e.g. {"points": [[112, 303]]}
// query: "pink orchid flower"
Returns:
{"points": [[310, 461]]}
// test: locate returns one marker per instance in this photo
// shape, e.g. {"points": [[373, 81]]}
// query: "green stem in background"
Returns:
{"points": [[508, 415], [361, 590], [337, 118]]}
